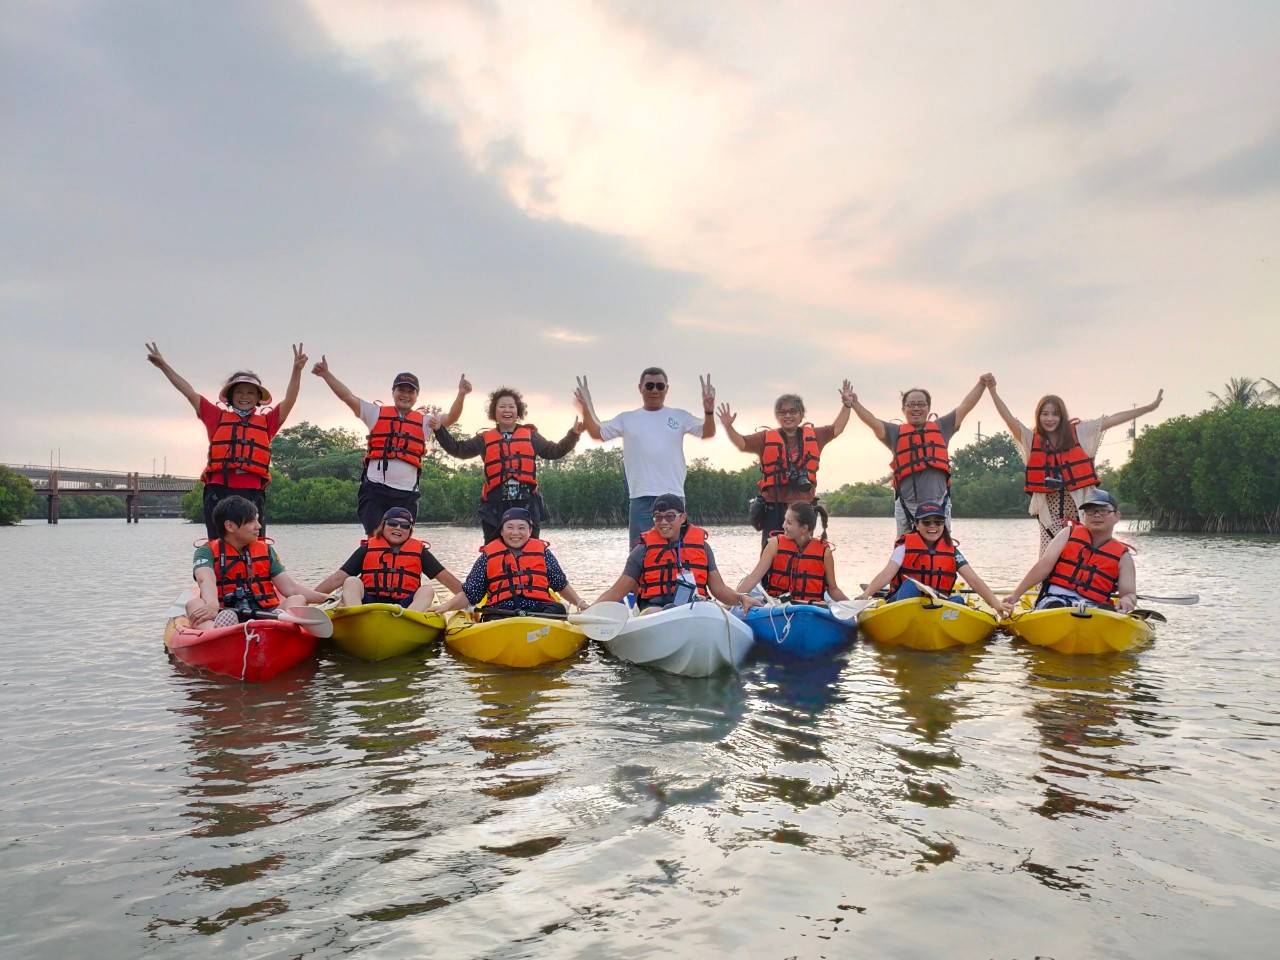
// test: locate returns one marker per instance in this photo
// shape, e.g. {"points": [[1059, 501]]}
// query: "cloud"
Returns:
{"points": [[1253, 169], [1076, 99], [561, 335]]}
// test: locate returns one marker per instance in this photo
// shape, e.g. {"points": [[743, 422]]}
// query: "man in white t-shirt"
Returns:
{"points": [[652, 442], [397, 442]]}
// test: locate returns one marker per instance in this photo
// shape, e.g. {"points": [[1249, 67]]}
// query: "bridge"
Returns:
{"points": [[54, 483]]}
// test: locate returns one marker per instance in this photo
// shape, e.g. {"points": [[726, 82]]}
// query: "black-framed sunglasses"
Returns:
{"points": [[654, 385], [670, 516], [398, 524], [931, 522]]}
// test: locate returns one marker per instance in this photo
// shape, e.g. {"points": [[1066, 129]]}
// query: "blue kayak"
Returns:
{"points": [[799, 629]]}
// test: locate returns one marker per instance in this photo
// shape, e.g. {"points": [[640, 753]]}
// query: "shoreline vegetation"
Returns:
{"points": [[1215, 472]]}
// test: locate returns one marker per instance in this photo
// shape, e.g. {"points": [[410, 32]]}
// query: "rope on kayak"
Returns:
{"points": [[250, 636]]}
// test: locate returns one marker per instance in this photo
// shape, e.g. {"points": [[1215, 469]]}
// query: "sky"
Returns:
{"points": [[1083, 199]]}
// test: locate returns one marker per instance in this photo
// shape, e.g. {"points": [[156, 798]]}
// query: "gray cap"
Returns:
{"points": [[1099, 497]]}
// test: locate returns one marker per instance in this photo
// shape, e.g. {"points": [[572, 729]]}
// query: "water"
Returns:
{"points": [[1003, 802]]}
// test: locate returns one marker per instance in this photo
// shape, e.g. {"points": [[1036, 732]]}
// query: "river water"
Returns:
{"points": [[1003, 802]]}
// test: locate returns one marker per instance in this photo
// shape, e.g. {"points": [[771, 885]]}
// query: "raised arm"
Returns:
{"points": [[727, 417], [295, 383], [757, 573], [985, 592], [1118, 418], [184, 388], [455, 411], [708, 407], [846, 404], [582, 397], [554, 451], [970, 400], [866, 416], [1016, 428], [321, 370]]}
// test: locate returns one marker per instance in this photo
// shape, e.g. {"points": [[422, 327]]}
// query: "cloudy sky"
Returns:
{"points": [[1083, 198]]}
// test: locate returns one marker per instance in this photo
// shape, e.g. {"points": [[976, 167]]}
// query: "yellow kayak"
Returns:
{"points": [[520, 641], [1071, 630], [376, 631], [924, 624]]}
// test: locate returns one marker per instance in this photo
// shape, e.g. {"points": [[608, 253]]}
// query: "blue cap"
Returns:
{"points": [[518, 513]]}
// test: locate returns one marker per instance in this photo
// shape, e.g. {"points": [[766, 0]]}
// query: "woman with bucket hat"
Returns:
{"points": [[397, 443], [240, 430]]}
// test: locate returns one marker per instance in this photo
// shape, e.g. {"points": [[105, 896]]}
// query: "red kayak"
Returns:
{"points": [[252, 651]]}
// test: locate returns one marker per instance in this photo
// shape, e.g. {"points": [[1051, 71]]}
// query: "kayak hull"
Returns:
{"points": [[253, 652], [924, 624], [377, 631], [799, 629], [692, 640], [521, 642], [1073, 631]]}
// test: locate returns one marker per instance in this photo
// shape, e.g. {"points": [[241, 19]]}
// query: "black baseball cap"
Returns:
{"points": [[668, 501], [405, 379], [930, 508]]}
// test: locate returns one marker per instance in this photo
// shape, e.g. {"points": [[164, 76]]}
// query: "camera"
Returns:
{"points": [[799, 479]]}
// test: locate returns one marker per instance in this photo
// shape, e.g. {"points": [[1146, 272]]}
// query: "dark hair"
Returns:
{"points": [[910, 390], [807, 514], [788, 398], [511, 392], [1062, 438], [654, 372], [236, 510]]}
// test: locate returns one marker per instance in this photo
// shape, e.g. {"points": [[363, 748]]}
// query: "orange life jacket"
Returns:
{"points": [[394, 437], [239, 444], [801, 573], [1073, 467], [776, 463], [919, 448], [524, 575], [663, 561], [1092, 572], [392, 572], [933, 565], [509, 457], [232, 572]]}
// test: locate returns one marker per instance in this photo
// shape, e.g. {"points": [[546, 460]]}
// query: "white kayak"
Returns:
{"points": [[692, 640]]}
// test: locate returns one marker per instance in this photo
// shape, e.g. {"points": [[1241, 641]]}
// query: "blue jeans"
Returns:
{"points": [[639, 518], [909, 590]]}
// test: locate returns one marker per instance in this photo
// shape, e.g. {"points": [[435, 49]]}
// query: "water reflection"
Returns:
{"points": [[1091, 709]]}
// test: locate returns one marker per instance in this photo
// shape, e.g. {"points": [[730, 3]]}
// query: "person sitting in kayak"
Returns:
{"points": [[789, 457], [921, 464], [929, 556], [510, 450], [390, 567], [1059, 456], [1084, 563], [397, 442], [239, 576], [240, 431], [673, 564], [795, 565], [515, 572]]}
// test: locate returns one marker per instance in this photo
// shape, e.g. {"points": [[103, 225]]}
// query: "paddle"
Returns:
{"points": [[601, 621], [927, 590], [1150, 615], [314, 621], [847, 609], [1185, 600]]}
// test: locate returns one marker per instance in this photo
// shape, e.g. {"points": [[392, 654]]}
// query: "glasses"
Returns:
{"points": [[789, 412], [916, 403], [1097, 511], [398, 524], [931, 522], [654, 386], [670, 516]]}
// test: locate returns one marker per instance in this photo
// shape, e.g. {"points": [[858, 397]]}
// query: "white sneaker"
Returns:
{"points": [[226, 618]]}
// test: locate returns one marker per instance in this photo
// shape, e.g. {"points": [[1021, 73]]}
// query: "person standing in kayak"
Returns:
{"points": [[238, 574], [929, 556], [795, 565], [673, 564], [515, 572], [1084, 563], [921, 463], [1059, 454], [652, 442], [397, 442], [509, 450], [240, 431], [391, 566], [789, 457]]}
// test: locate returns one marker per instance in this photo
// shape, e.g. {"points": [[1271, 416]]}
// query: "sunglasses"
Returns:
{"points": [[669, 517], [931, 522], [398, 524], [651, 385]]}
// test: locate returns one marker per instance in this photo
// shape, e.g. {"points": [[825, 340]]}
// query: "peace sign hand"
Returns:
{"points": [[708, 394], [582, 394], [299, 358], [153, 356]]}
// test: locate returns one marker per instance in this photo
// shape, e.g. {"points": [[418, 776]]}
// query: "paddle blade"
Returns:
{"points": [[1185, 601], [928, 591], [601, 621], [847, 609], [315, 622]]}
